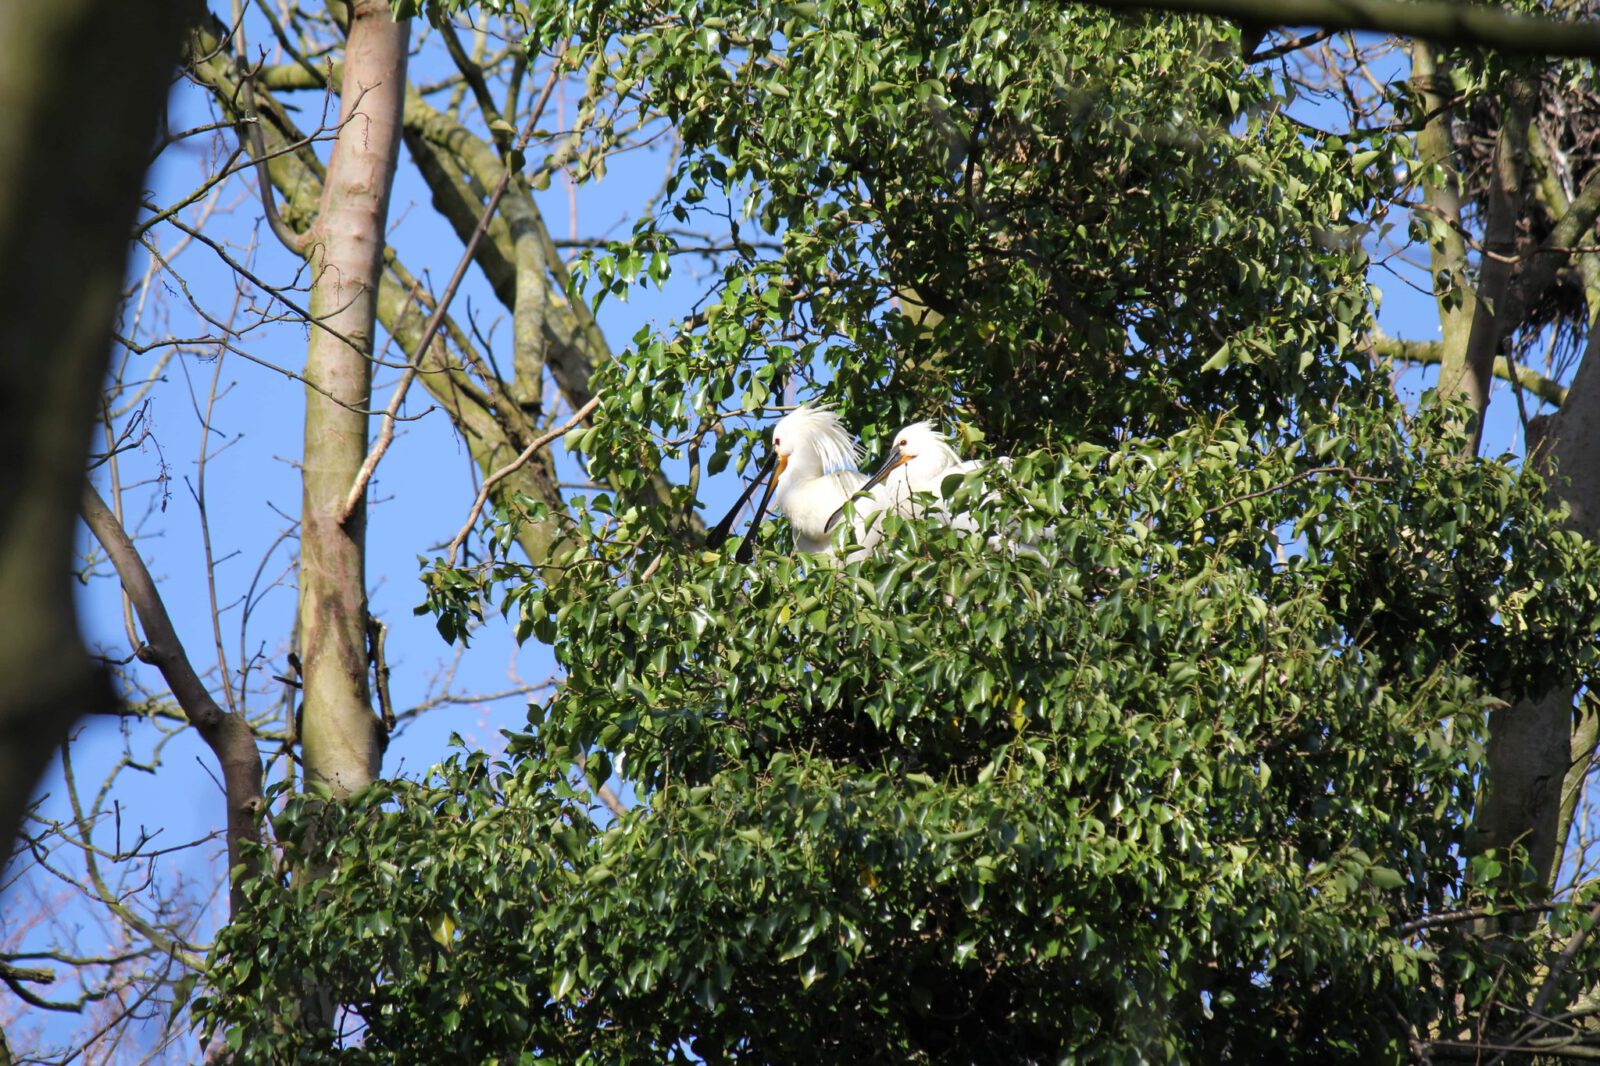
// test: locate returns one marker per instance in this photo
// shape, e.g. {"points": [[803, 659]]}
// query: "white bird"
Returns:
{"points": [[919, 462], [813, 464]]}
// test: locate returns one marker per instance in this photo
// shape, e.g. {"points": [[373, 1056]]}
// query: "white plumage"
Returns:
{"points": [[919, 462], [816, 473], [813, 473]]}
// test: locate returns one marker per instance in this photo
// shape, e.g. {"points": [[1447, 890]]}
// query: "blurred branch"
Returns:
{"points": [[63, 243], [1280, 50], [1443, 22]]}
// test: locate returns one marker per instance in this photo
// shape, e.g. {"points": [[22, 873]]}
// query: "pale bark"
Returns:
{"points": [[1447, 249], [73, 151], [1427, 353], [496, 417], [491, 421], [1585, 736], [343, 739]]}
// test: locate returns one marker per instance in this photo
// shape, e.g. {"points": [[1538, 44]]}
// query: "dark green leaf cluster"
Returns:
{"points": [[421, 944], [1165, 785], [1171, 759], [1033, 214]]}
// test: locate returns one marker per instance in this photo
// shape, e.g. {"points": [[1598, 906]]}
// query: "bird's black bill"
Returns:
{"points": [[719, 534], [747, 547], [896, 458]]}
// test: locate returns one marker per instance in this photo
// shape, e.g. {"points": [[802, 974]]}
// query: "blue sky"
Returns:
{"points": [[421, 495]]}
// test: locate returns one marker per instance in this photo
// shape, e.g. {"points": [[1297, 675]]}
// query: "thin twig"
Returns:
{"points": [[198, 490], [1467, 914], [1302, 476], [1278, 51], [511, 468], [369, 465]]}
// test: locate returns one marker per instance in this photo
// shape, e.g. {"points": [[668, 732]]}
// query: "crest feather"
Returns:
{"points": [[835, 446], [927, 438]]}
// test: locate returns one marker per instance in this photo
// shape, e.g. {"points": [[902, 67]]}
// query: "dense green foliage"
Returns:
{"points": [[1170, 788], [1159, 794]]}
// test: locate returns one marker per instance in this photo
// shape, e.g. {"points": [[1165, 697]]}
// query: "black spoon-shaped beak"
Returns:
{"points": [[719, 534], [747, 547], [896, 458]]}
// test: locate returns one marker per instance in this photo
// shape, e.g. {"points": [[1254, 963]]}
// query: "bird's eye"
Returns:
{"points": [[777, 442], [900, 444]]}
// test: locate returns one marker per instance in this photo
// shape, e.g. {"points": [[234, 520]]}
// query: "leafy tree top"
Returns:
{"points": [[1179, 786]]}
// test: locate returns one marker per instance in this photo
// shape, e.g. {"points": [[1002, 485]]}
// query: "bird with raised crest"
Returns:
{"points": [[810, 473]]}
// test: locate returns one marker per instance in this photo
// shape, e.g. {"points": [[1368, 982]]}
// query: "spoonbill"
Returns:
{"points": [[812, 468], [919, 461]]}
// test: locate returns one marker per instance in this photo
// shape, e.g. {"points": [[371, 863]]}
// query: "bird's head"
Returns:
{"points": [[918, 448], [812, 441], [806, 442]]}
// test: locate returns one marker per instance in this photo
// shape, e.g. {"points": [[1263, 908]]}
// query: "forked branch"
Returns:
{"points": [[512, 467]]}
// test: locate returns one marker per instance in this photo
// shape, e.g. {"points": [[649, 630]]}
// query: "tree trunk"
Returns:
{"points": [[73, 152], [485, 412], [1539, 750], [343, 739], [1490, 322], [1447, 248], [1472, 319], [1534, 757]]}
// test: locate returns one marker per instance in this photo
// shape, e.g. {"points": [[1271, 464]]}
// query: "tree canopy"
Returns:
{"points": [[1194, 778]]}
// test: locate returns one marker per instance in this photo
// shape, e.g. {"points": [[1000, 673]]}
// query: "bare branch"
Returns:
{"points": [[161, 647], [613, 804], [227, 735], [1431, 352], [376, 634], [250, 132], [358, 490], [512, 467]]}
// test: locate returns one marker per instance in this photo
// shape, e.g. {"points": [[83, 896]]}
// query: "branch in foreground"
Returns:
{"points": [[511, 468], [1431, 352], [1441, 21]]}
